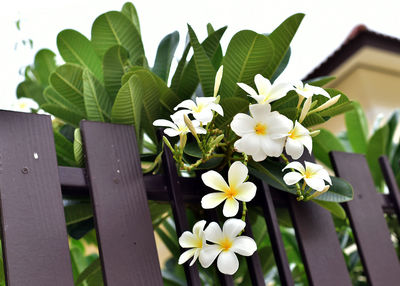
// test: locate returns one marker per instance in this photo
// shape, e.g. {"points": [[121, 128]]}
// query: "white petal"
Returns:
{"points": [[315, 183], [246, 192], [294, 148], [244, 245], [273, 148], [249, 144], [295, 165], [213, 232], [312, 167], [232, 227], [247, 89], [185, 104], [323, 174], [318, 90], [188, 240], [205, 101], [212, 200], [208, 254], [200, 130], [279, 90], [298, 84], [260, 111], [214, 180], [186, 255], [231, 207], [263, 84], [205, 115], [227, 262], [237, 174], [198, 227], [300, 129], [259, 155], [292, 178], [171, 132], [242, 124], [164, 123], [195, 256], [278, 123], [217, 108]]}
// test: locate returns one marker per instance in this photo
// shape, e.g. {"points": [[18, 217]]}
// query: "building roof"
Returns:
{"points": [[359, 37]]}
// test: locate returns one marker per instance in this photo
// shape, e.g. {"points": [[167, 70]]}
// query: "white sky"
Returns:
{"points": [[326, 25]]}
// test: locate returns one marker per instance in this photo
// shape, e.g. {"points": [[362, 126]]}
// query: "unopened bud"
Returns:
{"points": [[327, 104], [217, 140], [315, 133], [218, 78], [316, 193], [189, 124], [168, 143], [306, 108]]}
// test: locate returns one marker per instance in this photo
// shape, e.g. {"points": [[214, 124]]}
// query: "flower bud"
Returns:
{"points": [[218, 78], [306, 108], [327, 104]]}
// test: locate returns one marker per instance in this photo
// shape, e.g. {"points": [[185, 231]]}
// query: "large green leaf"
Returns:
{"points": [[115, 62], [320, 81], [282, 66], [217, 57], [205, 69], [334, 208], [130, 12], [53, 97], [92, 275], [45, 63], [189, 80], [78, 150], [176, 79], [31, 89], [281, 38], [324, 143], [64, 150], [340, 191], [392, 124], [66, 115], [97, 102], [248, 54], [138, 102], [76, 48], [113, 28], [376, 148], [165, 54], [357, 128], [67, 81], [77, 212]]}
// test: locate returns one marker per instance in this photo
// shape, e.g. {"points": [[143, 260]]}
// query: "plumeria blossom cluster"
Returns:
{"points": [[260, 134]]}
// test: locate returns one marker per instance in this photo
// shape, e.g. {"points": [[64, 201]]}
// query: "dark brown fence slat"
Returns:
{"points": [[253, 262], [178, 209], [366, 217], [122, 218], [318, 242], [394, 193], [34, 241], [267, 204]]}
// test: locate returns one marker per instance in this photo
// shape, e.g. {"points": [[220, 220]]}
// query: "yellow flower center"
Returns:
{"points": [[260, 129], [198, 108], [293, 134], [266, 97], [308, 174], [199, 243], [231, 193], [183, 129], [225, 244]]}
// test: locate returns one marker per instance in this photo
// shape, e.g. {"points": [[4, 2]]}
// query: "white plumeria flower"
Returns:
{"points": [[266, 92], [307, 90], [195, 241], [24, 105], [237, 190], [202, 109], [297, 138], [227, 243], [218, 78], [178, 126], [314, 175], [261, 132]]}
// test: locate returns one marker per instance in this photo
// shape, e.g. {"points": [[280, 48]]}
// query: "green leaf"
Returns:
{"points": [[334, 208], [113, 28], [282, 66], [31, 89], [53, 97], [179, 69], [392, 124], [115, 62], [217, 58], [130, 12], [65, 115], [76, 48], [77, 212], [64, 150], [97, 102], [281, 38], [320, 81], [78, 150], [92, 274], [340, 191], [138, 102], [205, 69], [189, 78], [165, 54], [67, 81], [45, 63], [231, 107], [377, 147], [248, 54], [357, 128], [324, 143]]}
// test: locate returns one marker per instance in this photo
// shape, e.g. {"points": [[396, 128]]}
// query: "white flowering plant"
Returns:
{"points": [[226, 117]]}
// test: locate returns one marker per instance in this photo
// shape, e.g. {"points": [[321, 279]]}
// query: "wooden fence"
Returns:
{"points": [[35, 243]]}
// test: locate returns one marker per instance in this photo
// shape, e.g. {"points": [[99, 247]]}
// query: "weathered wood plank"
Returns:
{"points": [[367, 221], [122, 218], [35, 243]]}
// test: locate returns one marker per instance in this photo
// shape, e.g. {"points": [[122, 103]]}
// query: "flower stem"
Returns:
{"points": [[299, 192], [244, 212]]}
